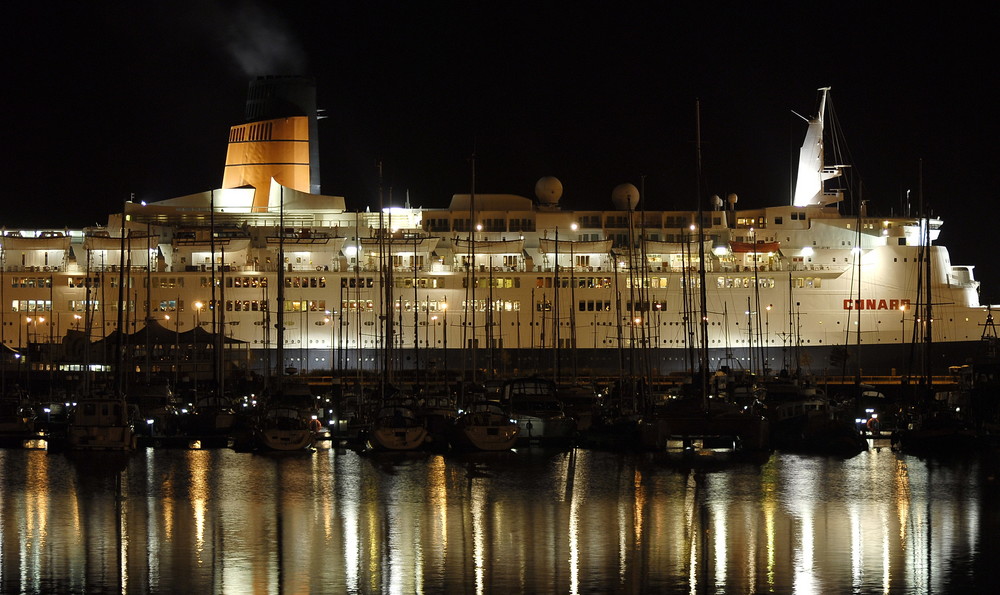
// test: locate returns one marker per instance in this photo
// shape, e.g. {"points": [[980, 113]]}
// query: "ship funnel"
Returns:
{"points": [[279, 139]]}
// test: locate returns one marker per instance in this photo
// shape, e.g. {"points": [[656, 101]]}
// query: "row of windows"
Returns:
{"points": [[498, 305], [305, 282], [745, 282], [357, 282], [421, 282], [84, 282], [580, 282], [31, 282], [246, 306], [305, 305], [31, 306], [807, 282], [498, 282], [163, 282], [249, 282]]}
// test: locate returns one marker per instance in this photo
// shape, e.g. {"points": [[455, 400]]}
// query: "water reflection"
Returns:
{"points": [[570, 521]]}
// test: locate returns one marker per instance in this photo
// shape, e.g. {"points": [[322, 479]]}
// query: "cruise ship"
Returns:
{"points": [[271, 274]]}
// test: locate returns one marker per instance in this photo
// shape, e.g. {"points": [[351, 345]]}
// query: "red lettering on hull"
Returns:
{"points": [[876, 304]]}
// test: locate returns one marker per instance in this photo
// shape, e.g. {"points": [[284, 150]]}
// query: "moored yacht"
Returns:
{"points": [[485, 426], [101, 423]]}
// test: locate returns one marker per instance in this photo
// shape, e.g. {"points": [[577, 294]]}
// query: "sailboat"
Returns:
{"points": [[540, 415], [928, 424], [285, 420], [484, 426], [697, 412], [105, 421]]}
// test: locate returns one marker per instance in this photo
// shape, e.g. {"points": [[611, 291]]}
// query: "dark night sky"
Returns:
{"points": [[107, 98]]}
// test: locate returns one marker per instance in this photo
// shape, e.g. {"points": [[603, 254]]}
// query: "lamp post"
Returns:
{"points": [[194, 343], [434, 324], [902, 324], [572, 299], [444, 323], [767, 335], [27, 332], [328, 319]]}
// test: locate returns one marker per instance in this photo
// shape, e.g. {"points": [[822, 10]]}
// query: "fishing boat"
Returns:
{"points": [[485, 426]]}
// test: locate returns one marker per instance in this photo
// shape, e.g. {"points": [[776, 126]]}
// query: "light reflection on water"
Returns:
{"points": [[542, 522]]}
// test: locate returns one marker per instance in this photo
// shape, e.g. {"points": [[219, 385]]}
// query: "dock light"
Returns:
{"points": [[149, 422], [869, 411]]}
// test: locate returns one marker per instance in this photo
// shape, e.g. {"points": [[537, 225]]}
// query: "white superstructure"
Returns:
{"points": [[498, 282]]}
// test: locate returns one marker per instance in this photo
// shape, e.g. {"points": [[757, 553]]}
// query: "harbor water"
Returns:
{"points": [[527, 521]]}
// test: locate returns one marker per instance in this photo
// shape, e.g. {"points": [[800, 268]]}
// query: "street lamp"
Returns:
{"points": [[194, 343], [902, 324], [767, 334], [444, 322]]}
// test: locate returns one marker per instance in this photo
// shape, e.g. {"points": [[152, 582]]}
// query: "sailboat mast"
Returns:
{"points": [[928, 314], [472, 264], [280, 314], [703, 299], [122, 296], [213, 304]]}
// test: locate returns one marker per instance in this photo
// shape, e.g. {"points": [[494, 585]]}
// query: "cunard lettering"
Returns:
{"points": [[876, 304]]}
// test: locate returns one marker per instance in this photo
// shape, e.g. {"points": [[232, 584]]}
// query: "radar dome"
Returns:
{"points": [[716, 202], [625, 197], [732, 198], [548, 190]]}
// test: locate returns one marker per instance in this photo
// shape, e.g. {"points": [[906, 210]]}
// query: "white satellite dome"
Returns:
{"points": [[625, 197], [731, 199], [548, 190], [716, 202]]}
